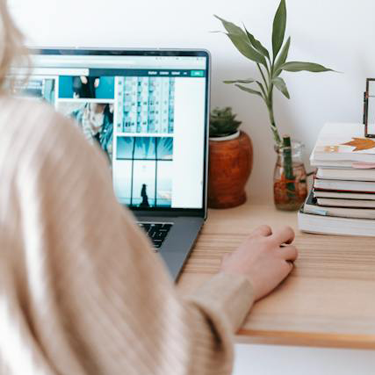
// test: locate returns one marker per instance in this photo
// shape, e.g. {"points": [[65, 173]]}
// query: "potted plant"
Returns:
{"points": [[231, 160], [289, 186]]}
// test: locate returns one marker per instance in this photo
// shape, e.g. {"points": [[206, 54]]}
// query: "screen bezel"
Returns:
{"points": [[155, 211]]}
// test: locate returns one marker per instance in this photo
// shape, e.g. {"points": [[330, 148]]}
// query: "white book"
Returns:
{"points": [[357, 213], [343, 195], [331, 164], [363, 186], [339, 142], [318, 224], [356, 203], [346, 174], [327, 220]]}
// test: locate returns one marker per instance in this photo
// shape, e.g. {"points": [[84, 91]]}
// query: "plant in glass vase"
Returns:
{"points": [[289, 192]]}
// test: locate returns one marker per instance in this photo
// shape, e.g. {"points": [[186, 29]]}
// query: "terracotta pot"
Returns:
{"points": [[229, 169]]}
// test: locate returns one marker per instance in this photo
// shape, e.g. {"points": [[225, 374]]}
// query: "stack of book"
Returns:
{"points": [[342, 200]]}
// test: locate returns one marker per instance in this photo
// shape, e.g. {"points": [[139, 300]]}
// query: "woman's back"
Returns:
{"points": [[36, 196], [63, 249]]}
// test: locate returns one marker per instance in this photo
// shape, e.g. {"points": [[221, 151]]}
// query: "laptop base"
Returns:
{"points": [[179, 241]]}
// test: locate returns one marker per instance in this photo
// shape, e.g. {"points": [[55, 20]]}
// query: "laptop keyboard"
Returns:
{"points": [[157, 232]]}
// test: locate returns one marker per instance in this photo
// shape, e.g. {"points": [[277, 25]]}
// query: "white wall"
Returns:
{"points": [[284, 360], [335, 33]]}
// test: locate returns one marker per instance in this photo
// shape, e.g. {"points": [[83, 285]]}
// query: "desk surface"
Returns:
{"points": [[327, 301]]}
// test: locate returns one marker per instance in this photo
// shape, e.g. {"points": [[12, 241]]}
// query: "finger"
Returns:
{"points": [[284, 235], [263, 230], [289, 253], [288, 267]]}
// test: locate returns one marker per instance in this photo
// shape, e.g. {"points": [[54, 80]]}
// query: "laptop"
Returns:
{"points": [[148, 110]]}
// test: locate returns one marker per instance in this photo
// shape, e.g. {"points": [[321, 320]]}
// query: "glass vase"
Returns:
{"points": [[290, 179]]}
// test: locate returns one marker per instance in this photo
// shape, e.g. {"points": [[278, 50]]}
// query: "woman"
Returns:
{"points": [[81, 291]]}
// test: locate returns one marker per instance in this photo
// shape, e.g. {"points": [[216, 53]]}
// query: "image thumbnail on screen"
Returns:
{"points": [[94, 119], [143, 171], [145, 104], [43, 88]]}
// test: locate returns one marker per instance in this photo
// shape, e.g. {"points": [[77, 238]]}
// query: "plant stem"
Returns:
{"points": [[288, 167], [262, 74], [269, 104], [284, 145]]}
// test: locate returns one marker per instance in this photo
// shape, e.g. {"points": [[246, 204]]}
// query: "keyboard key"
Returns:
{"points": [[157, 232]]}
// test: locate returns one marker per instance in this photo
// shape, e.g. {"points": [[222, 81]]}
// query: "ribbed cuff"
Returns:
{"points": [[232, 295]]}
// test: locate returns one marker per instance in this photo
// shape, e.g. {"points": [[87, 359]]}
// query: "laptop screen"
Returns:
{"points": [[146, 110]]}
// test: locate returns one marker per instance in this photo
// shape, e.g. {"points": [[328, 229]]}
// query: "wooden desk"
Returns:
{"points": [[327, 301]]}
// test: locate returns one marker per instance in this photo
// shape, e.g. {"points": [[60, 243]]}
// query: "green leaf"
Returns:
{"points": [[282, 58], [262, 89], [242, 44], [250, 91], [250, 80], [281, 85], [257, 45], [240, 39], [230, 27], [299, 66], [223, 122], [278, 30]]}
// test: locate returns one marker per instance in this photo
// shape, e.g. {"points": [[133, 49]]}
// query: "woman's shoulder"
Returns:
{"points": [[24, 111], [30, 117], [37, 125]]}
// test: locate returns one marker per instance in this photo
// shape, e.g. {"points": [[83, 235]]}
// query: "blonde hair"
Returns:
{"points": [[13, 51]]}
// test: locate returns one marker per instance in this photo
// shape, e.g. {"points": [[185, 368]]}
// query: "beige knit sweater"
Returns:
{"points": [[81, 291]]}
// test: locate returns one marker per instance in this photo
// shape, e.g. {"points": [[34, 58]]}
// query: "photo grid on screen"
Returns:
{"points": [[130, 118]]}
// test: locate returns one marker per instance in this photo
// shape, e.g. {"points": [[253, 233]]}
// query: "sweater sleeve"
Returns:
{"points": [[99, 300]]}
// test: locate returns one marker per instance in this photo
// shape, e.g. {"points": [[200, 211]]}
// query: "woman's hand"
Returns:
{"points": [[265, 258]]}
